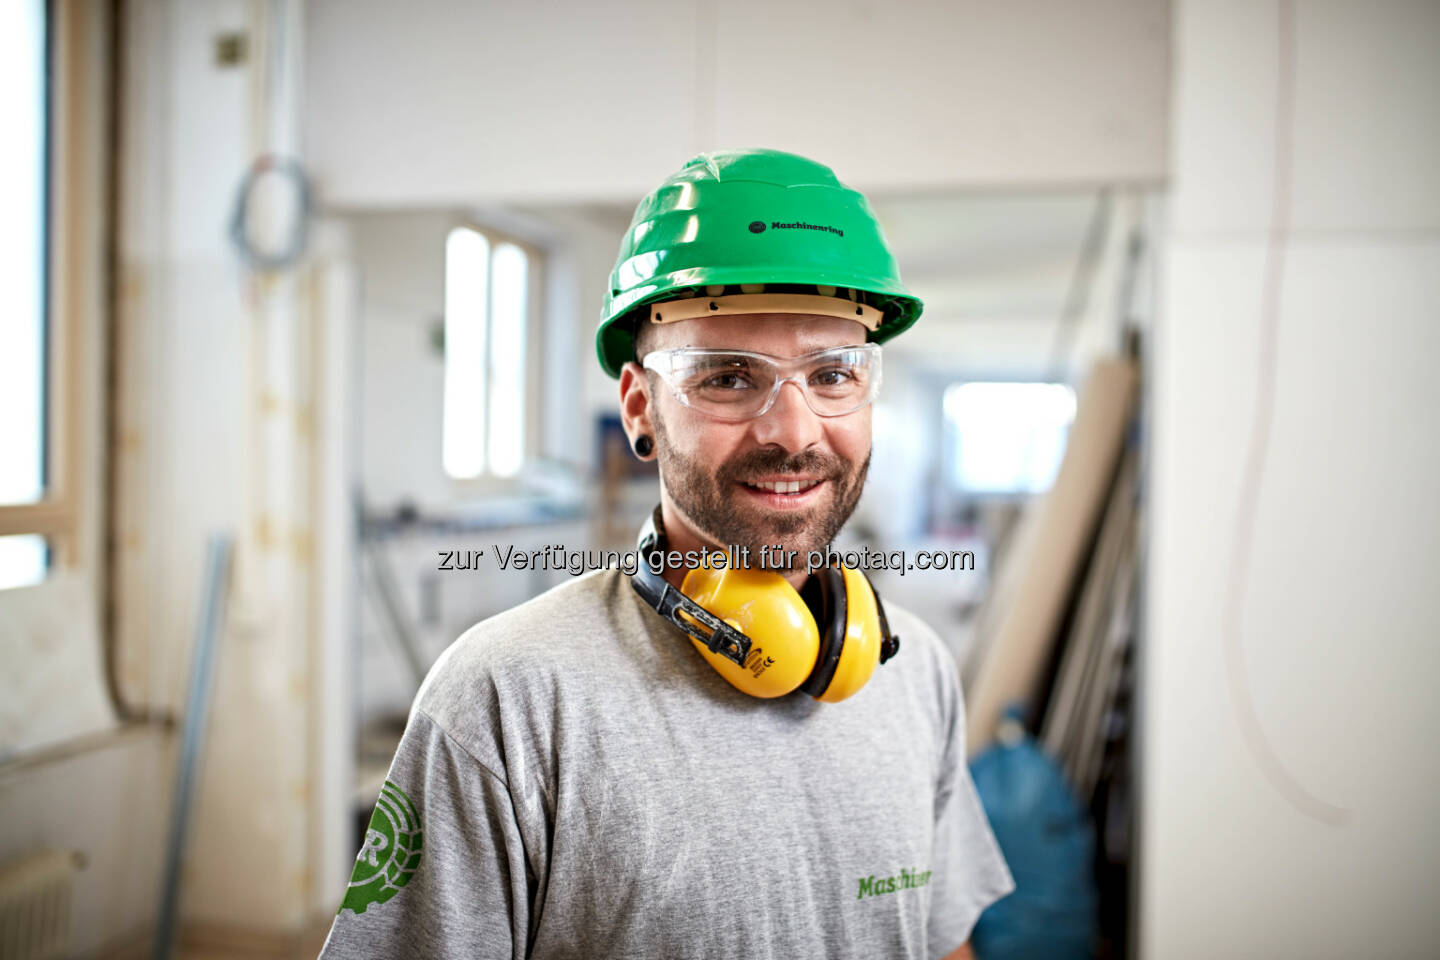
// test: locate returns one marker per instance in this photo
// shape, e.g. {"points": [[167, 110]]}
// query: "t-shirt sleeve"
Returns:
{"points": [[442, 870], [970, 872]]}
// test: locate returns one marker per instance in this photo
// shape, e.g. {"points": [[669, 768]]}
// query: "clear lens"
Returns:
{"points": [[738, 385], [841, 382], [731, 381]]}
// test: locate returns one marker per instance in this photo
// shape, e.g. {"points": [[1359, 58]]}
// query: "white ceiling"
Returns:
{"points": [[988, 257]]}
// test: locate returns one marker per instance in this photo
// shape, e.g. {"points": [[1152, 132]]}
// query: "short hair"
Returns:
{"points": [[644, 338]]}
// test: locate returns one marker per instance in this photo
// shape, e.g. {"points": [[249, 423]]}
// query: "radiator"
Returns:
{"points": [[35, 905]]}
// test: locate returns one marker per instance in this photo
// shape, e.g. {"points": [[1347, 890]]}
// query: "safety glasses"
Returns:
{"points": [[740, 385]]}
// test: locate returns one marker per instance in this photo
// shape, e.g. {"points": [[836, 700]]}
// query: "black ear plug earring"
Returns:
{"points": [[643, 446]]}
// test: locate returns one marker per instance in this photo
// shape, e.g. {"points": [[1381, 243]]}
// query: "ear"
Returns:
{"points": [[635, 400]]}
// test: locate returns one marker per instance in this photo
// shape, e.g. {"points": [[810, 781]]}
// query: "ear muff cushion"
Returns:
{"points": [[824, 594]]}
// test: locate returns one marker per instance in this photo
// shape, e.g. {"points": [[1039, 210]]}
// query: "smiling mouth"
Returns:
{"points": [[782, 486]]}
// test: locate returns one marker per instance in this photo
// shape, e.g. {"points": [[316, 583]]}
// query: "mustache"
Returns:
{"points": [[765, 460]]}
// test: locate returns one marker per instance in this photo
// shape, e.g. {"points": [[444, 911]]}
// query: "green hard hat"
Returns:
{"points": [[750, 217]]}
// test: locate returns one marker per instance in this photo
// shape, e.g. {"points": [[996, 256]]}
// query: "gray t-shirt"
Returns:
{"points": [[576, 781]]}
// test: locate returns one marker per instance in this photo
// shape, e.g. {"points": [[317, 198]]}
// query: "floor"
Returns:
{"points": [[209, 945]]}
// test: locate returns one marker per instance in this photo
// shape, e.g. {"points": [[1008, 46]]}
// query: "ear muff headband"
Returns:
{"points": [[722, 639], [891, 644]]}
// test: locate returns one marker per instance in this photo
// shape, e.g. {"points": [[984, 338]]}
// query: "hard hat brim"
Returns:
{"points": [[615, 339]]}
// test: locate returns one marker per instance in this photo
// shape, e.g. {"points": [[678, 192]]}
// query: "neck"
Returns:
{"points": [[680, 536]]}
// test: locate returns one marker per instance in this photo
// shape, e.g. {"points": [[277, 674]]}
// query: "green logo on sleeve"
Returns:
{"points": [[390, 854]]}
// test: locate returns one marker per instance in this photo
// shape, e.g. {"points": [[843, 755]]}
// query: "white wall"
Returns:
{"points": [[109, 804], [592, 243], [401, 260], [571, 100], [230, 396], [1290, 769]]}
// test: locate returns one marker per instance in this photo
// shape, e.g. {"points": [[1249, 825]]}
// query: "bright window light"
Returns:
{"points": [[22, 257], [23, 560], [467, 269], [507, 351], [487, 314], [1007, 437]]}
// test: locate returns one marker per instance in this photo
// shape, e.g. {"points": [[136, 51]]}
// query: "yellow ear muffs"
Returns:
{"points": [[824, 639], [762, 635], [762, 605], [845, 605]]}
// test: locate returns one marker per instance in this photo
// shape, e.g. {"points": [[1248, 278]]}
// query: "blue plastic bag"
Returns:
{"points": [[1049, 842]]}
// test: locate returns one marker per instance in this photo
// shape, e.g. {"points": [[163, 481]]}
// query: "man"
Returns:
{"points": [[576, 780]]}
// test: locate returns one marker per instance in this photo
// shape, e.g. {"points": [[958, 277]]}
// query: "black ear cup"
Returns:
{"points": [[824, 593]]}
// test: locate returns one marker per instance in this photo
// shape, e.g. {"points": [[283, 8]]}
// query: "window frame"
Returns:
{"points": [[535, 311], [70, 273]]}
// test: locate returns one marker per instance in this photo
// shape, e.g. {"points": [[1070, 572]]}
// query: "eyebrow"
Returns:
{"points": [[728, 359]]}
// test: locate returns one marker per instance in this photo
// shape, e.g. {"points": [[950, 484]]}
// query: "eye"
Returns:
{"points": [[832, 377], [725, 381]]}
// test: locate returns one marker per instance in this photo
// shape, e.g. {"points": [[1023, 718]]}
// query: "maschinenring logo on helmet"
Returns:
{"points": [[757, 226], [390, 854], [802, 225]]}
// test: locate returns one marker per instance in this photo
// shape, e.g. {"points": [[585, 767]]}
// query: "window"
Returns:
{"points": [[488, 310], [1007, 438], [24, 189]]}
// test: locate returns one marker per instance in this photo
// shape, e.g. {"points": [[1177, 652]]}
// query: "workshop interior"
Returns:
{"points": [[298, 382]]}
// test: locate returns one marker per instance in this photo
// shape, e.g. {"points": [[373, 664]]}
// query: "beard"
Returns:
{"points": [[716, 509]]}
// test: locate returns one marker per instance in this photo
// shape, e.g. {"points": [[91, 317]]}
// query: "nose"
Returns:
{"points": [[789, 423]]}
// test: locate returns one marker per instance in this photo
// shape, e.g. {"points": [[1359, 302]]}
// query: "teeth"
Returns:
{"points": [[791, 486]]}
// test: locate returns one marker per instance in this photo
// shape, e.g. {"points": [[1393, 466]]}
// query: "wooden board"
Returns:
{"points": [[1083, 647]]}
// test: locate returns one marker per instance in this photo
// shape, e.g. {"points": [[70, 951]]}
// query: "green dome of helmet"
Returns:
{"points": [[750, 217]]}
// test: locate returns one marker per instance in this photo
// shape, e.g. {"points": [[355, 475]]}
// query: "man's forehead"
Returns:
{"points": [[782, 334]]}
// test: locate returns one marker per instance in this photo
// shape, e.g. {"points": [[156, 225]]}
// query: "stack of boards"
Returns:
{"points": [[1055, 634], [1093, 656]]}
